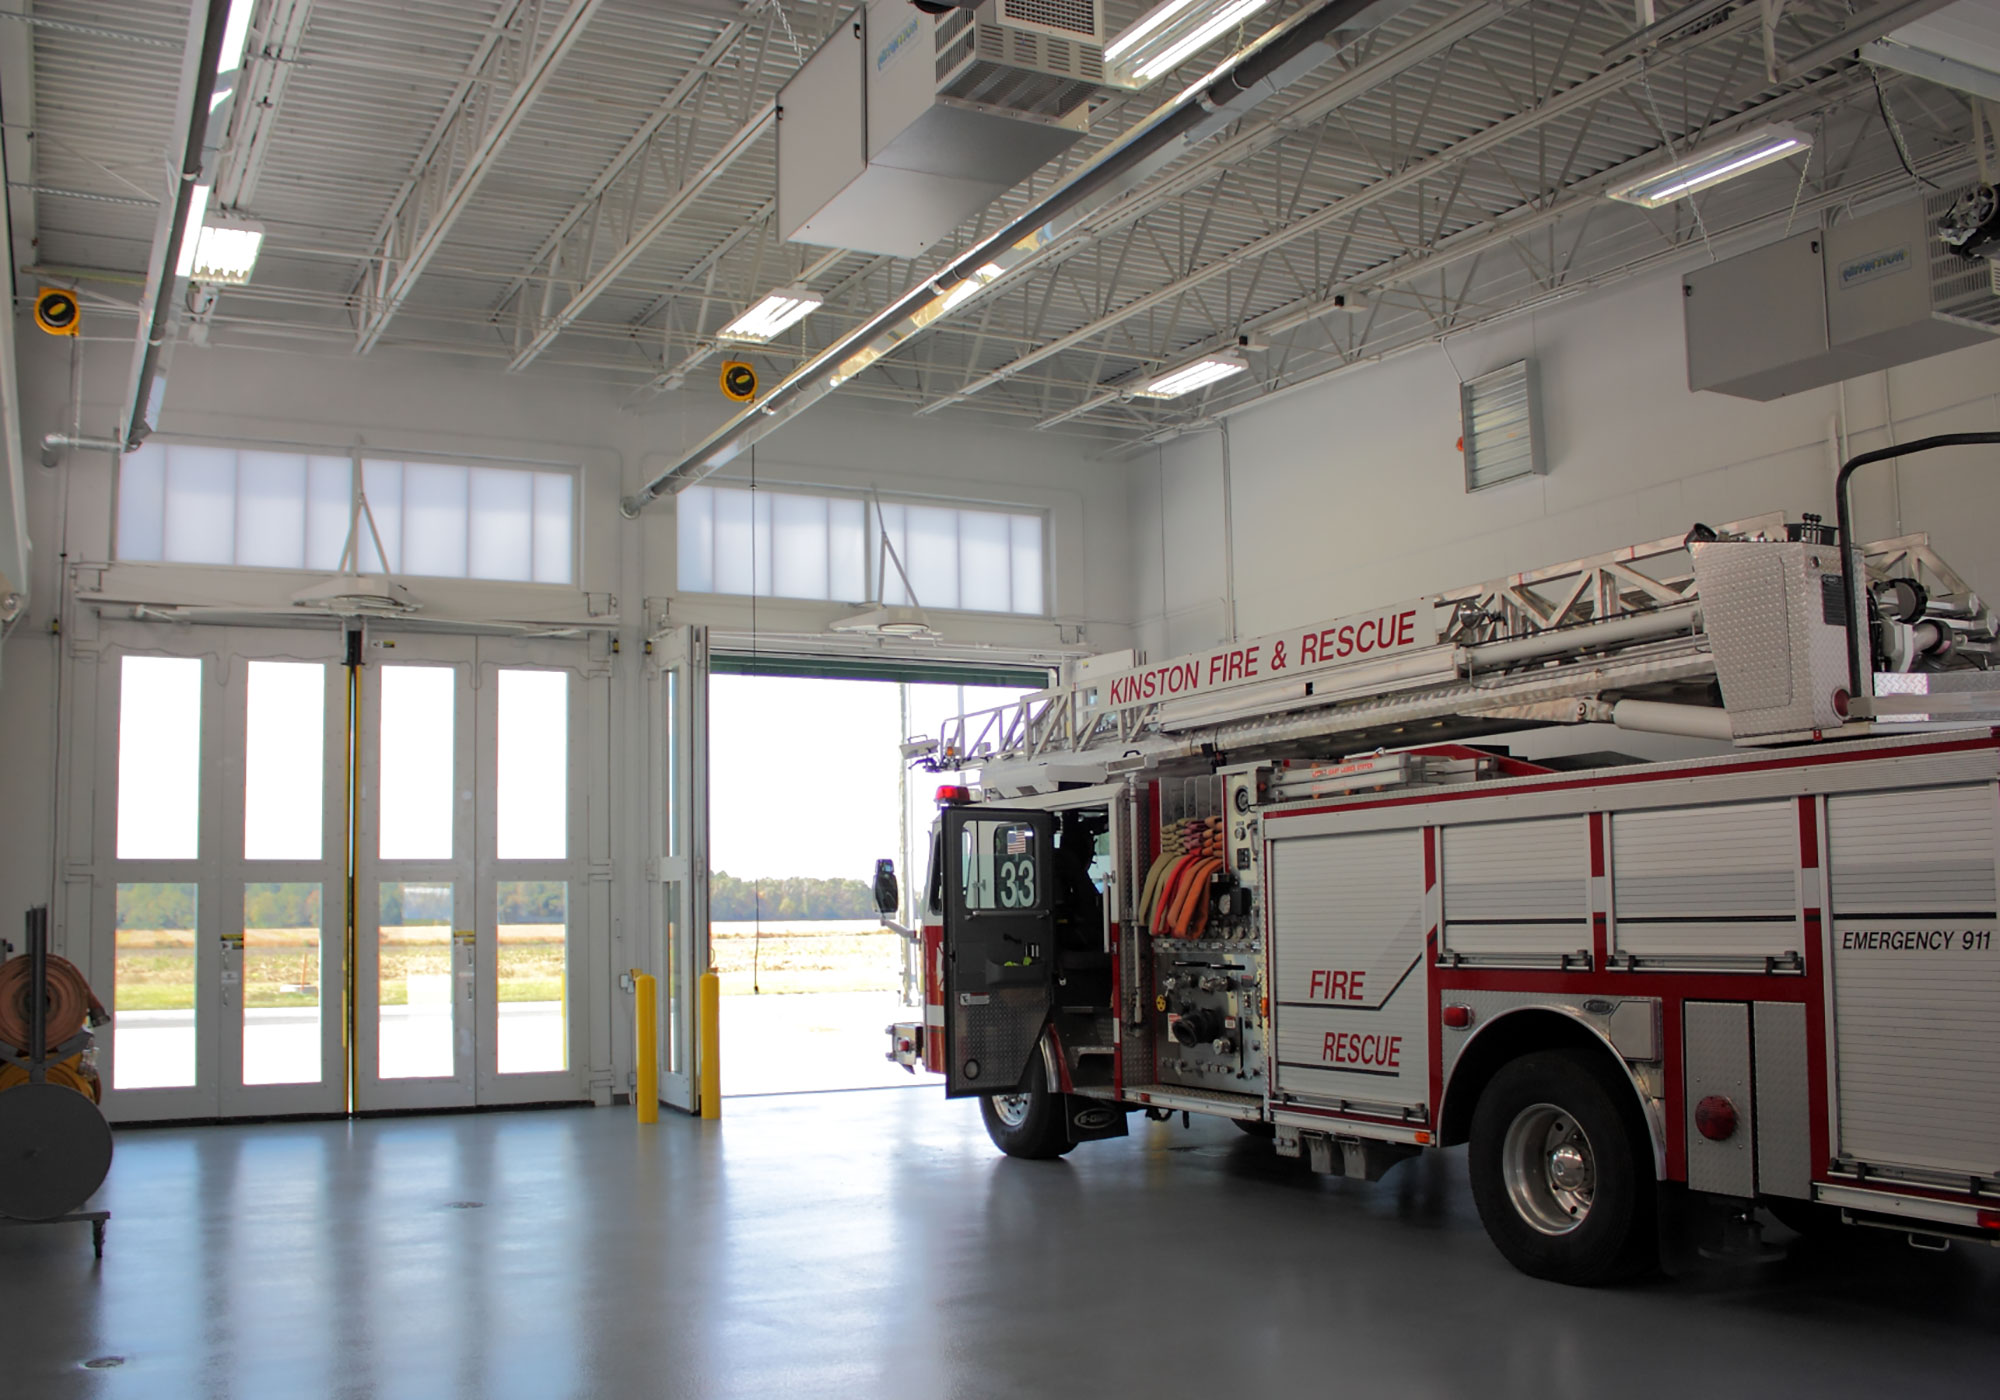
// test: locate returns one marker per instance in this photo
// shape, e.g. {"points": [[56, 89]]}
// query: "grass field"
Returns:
{"points": [[281, 967], [837, 956]]}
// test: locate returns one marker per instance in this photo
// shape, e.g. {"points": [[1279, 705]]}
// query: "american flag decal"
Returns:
{"points": [[1017, 842]]}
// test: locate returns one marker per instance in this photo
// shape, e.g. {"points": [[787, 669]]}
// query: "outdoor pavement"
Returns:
{"points": [[771, 1044], [812, 1042]]}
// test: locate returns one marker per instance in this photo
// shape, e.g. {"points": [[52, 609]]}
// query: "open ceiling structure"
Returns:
{"points": [[588, 185]]}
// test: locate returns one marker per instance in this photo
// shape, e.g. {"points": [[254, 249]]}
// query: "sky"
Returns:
{"points": [[802, 776], [803, 773]]}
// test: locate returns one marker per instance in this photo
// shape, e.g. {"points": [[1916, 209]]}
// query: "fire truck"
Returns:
{"points": [[1283, 883]]}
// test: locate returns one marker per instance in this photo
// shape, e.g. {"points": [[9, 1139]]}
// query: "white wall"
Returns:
{"points": [[430, 404], [1350, 493]]}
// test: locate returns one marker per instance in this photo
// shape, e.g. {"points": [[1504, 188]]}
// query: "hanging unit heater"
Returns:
{"points": [[1879, 289], [904, 124]]}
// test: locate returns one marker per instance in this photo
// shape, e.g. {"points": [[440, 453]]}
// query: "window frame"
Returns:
{"points": [[356, 457], [876, 569]]}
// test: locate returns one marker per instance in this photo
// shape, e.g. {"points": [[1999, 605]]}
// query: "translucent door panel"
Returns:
{"points": [[678, 818], [159, 758], [283, 891], [532, 958], [415, 995], [413, 924], [283, 945], [531, 800], [418, 717], [532, 893], [155, 988], [284, 762]]}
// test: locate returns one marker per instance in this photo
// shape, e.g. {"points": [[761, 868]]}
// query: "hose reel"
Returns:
{"points": [[55, 1147]]}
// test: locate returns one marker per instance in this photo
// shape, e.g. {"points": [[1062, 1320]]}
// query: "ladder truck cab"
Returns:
{"points": [[1282, 883]]}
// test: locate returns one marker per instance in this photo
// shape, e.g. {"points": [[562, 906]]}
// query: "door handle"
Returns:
{"points": [[232, 968]]}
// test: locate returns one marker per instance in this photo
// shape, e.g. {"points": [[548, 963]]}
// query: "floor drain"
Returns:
{"points": [[103, 1363], [465, 1205]]}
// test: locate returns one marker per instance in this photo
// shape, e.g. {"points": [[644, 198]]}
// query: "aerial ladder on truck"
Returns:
{"points": [[1283, 882]]}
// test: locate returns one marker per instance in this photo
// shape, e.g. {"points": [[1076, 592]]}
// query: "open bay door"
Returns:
{"points": [[999, 947], [678, 951]]}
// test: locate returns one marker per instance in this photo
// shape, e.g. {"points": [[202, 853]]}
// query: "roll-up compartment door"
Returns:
{"points": [[1706, 884], [1916, 978], [1517, 891], [1347, 951]]}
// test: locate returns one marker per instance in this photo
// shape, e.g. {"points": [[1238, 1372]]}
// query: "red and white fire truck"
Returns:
{"points": [[1281, 883]]}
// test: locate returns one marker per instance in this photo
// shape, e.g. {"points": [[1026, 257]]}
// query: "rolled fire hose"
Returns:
{"points": [[1198, 924], [1169, 893], [1151, 890], [1194, 894], [69, 1073], [70, 1003]]}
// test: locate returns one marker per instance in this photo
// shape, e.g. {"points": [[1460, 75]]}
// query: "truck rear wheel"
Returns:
{"points": [[1028, 1124], [1556, 1165]]}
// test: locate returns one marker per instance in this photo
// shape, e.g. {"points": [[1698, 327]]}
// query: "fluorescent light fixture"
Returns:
{"points": [[235, 35], [218, 254], [1210, 369], [1711, 164], [191, 230], [225, 253], [775, 314], [1168, 35]]}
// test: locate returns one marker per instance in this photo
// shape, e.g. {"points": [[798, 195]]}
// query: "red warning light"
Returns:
{"points": [[1715, 1118]]}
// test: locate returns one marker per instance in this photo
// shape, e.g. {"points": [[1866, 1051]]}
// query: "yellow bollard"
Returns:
{"points": [[647, 1013], [711, 1045]]}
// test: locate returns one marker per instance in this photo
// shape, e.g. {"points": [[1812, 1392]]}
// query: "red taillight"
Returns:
{"points": [[949, 794], [1989, 1219], [1457, 1018], [1715, 1118], [1840, 702]]}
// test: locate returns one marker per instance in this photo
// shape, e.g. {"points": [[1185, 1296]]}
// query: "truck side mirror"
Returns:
{"points": [[888, 894]]}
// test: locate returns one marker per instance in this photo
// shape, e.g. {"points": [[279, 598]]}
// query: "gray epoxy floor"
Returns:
{"points": [[873, 1244]]}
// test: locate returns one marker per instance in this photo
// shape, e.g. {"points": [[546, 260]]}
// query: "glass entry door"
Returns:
{"points": [[541, 873], [413, 888], [473, 877], [677, 954], [216, 894]]}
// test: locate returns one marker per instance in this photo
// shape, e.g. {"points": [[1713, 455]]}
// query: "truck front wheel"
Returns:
{"points": [[1030, 1123], [1556, 1171]]}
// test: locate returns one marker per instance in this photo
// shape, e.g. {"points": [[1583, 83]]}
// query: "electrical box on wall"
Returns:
{"points": [[1869, 293], [905, 124]]}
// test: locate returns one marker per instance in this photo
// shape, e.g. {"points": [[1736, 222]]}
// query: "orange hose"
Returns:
{"points": [[69, 999], [1163, 911], [1194, 892], [1199, 923]]}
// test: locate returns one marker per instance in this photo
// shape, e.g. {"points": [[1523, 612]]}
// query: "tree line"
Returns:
{"points": [[790, 897]]}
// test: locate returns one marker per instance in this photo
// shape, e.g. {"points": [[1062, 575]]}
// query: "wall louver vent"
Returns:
{"points": [[1500, 417]]}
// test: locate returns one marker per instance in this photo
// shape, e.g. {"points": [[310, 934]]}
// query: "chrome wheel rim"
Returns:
{"points": [[1011, 1108], [1550, 1169]]}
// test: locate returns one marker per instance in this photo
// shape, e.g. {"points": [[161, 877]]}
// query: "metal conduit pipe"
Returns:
{"points": [[54, 443], [1661, 622], [161, 313], [1262, 68], [1687, 721]]}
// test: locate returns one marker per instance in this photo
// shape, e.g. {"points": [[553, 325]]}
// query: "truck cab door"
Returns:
{"points": [[999, 946]]}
